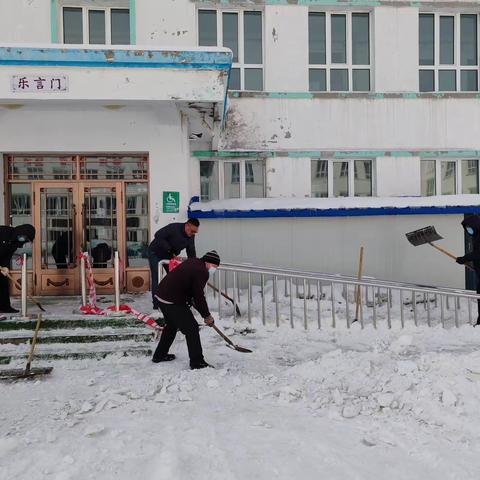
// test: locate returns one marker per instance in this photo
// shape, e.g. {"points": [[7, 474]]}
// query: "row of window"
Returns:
{"points": [[246, 179], [333, 178], [339, 45]]}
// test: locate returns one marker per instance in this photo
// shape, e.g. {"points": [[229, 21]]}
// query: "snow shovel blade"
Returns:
{"points": [[238, 348], [423, 236], [19, 373]]}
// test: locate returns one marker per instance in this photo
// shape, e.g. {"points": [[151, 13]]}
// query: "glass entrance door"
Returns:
{"points": [[75, 217]]}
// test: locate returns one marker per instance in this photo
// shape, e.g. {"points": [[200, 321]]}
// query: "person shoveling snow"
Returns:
{"points": [[174, 293]]}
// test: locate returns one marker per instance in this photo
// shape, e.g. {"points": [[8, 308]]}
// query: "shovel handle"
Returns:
{"points": [[19, 286], [223, 335], [34, 342], [440, 249]]}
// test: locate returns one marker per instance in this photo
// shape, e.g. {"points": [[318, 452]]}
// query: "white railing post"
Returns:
{"points": [[82, 281], [117, 282], [24, 285]]}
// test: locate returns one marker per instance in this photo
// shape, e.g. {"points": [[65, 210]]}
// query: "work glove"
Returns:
{"points": [[209, 321], [461, 260]]}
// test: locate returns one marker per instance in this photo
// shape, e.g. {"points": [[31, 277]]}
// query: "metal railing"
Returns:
{"points": [[280, 296]]}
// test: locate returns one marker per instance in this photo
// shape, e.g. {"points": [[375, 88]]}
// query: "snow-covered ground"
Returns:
{"points": [[330, 404]]}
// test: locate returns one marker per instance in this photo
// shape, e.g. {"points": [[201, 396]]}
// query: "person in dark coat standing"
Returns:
{"points": [[168, 242], [175, 293], [471, 226], [11, 238]]}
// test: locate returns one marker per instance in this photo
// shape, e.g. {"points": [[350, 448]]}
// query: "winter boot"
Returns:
{"points": [[165, 358], [199, 364], [478, 322], [8, 310]]}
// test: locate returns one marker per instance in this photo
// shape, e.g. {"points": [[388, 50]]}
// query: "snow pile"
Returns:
{"points": [[337, 404]]}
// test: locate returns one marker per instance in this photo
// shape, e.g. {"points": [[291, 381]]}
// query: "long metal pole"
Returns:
{"points": [[24, 285]]}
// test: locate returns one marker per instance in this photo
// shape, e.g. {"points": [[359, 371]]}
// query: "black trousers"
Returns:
{"points": [[4, 286], [179, 317]]}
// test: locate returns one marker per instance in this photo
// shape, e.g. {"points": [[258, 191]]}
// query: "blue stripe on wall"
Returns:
{"points": [[111, 58], [341, 212]]}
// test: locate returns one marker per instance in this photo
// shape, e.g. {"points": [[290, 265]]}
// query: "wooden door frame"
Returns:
{"points": [[73, 274]]}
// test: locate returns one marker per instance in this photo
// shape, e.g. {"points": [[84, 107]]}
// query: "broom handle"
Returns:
{"points": [[34, 342], [440, 249], [357, 290]]}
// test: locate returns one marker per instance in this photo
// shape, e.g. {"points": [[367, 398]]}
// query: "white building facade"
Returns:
{"points": [[296, 131]]}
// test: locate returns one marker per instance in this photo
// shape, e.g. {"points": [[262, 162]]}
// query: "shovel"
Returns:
{"points": [[28, 372], [230, 344], [430, 235]]}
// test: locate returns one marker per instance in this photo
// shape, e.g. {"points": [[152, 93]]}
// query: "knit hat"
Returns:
{"points": [[211, 257]]}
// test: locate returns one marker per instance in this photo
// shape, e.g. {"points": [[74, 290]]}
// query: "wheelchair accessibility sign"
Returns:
{"points": [[171, 202]]}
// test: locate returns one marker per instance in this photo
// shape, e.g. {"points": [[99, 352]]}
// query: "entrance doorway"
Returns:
{"points": [[94, 204]]}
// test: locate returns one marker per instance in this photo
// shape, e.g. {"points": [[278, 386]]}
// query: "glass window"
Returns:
{"points": [[468, 39], [72, 25], [447, 42], [339, 39], [230, 33], [208, 180], [253, 37], [113, 168], [231, 183], [20, 212], [428, 175], [449, 178], [363, 178], [96, 27], [41, 168], [427, 80], [136, 215], [254, 179], [120, 26], [339, 80], [426, 38], [253, 79], [469, 176], [469, 80], [340, 179], [360, 39], [317, 38], [234, 81], [319, 176], [317, 80], [207, 28], [361, 80], [447, 80]]}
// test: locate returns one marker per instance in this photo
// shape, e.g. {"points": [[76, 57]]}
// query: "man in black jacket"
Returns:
{"points": [[471, 226], [168, 242], [175, 293], [11, 238]]}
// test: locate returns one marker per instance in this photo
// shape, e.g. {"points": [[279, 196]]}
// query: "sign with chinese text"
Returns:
{"points": [[171, 202], [39, 83]]}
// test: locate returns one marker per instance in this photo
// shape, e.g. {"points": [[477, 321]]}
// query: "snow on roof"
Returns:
{"points": [[292, 203]]}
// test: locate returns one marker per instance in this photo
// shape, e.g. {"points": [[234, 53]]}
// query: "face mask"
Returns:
{"points": [[469, 230], [22, 239], [211, 271]]}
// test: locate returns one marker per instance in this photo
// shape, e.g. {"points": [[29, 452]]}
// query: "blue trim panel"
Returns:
{"points": [[111, 58], [341, 212]]}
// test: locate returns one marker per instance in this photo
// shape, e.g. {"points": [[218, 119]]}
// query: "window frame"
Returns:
{"points": [[240, 65], [86, 23], [243, 180], [459, 165], [351, 176], [348, 65], [456, 65]]}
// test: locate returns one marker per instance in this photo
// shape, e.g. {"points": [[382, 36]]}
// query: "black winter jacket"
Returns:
{"points": [[169, 241], [10, 241], [474, 255], [186, 283]]}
